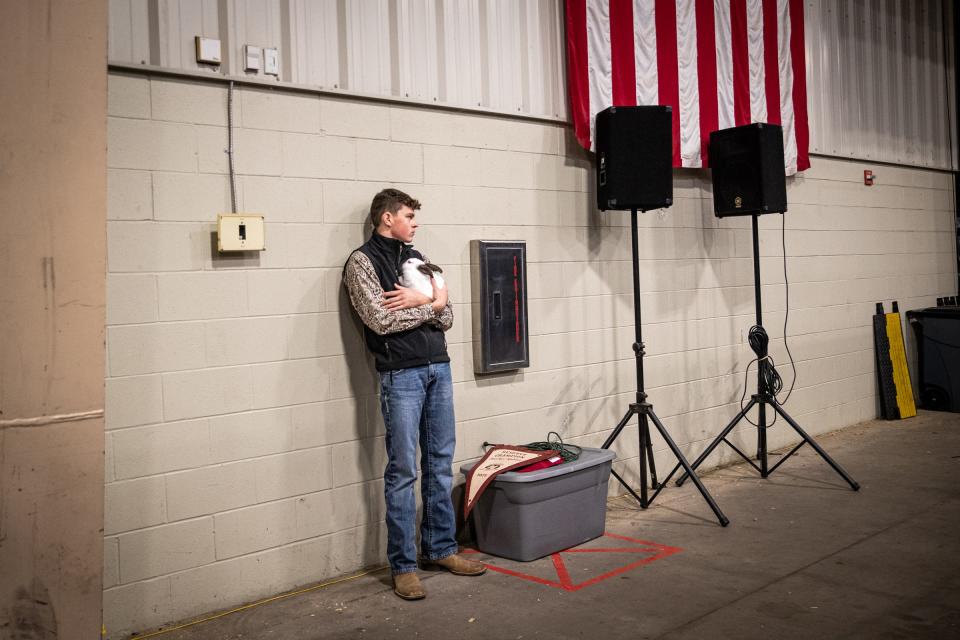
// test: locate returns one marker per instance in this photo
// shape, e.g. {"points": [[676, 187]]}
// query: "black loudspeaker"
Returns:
{"points": [[748, 174], [634, 158]]}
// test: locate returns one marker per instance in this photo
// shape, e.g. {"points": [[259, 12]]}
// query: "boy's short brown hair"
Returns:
{"points": [[390, 200]]}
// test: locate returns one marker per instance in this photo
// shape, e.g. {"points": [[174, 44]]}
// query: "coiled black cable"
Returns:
{"points": [[759, 342], [569, 452], [772, 382]]}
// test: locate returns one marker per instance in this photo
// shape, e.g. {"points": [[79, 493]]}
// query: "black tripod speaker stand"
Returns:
{"points": [[644, 411], [761, 399]]}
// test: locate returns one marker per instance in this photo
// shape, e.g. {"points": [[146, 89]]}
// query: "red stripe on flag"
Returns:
{"points": [[706, 76], [798, 58], [771, 61], [741, 62], [668, 83], [577, 59], [623, 66]]}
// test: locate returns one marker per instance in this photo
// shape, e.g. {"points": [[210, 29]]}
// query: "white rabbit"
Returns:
{"points": [[416, 274]]}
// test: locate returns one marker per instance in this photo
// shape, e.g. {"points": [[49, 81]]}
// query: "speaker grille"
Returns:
{"points": [[634, 158], [748, 174]]}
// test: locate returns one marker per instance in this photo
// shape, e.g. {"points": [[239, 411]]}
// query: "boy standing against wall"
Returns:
{"points": [[403, 330]]}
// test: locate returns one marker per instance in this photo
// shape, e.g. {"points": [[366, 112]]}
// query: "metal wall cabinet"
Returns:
{"points": [[498, 275]]}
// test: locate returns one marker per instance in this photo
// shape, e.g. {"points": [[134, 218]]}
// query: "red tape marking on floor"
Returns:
{"points": [[562, 572], [659, 551]]}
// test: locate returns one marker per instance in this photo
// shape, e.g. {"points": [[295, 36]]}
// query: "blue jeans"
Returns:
{"points": [[417, 406]]}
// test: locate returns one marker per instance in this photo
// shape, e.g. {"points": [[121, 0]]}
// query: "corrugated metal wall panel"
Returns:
{"points": [[911, 72], [503, 55], [553, 72], [543, 86], [532, 101], [857, 70], [368, 44], [938, 82], [171, 29], [165, 36], [129, 35], [949, 104], [500, 47], [416, 29], [884, 80], [897, 151], [879, 80], [248, 22], [460, 55], [315, 35]]}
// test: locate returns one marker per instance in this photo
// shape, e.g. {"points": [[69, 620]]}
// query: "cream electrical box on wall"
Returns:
{"points": [[271, 62], [251, 58], [240, 232], [208, 50]]}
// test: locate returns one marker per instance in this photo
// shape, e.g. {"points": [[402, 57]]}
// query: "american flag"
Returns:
{"points": [[718, 63]]}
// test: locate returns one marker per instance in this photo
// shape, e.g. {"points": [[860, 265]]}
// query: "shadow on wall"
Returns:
{"points": [[576, 156], [228, 259], [370, 455]]}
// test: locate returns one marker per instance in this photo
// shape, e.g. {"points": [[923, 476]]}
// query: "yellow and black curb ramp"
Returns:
{"points": [[893, 377]]}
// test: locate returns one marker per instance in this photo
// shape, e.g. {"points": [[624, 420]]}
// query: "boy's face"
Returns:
{"points": [[401, 225]]}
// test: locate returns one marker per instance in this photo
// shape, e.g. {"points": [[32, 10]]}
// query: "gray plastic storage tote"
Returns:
{"points": [[525, 516]]}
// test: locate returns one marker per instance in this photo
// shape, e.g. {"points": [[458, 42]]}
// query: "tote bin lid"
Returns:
{"points": [[588, 458]]}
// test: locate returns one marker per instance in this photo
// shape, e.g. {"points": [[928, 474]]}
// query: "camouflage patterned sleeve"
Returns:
{"points": [[366, 295], [445, 318]]}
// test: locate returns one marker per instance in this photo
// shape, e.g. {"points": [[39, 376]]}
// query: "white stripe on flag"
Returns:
{"points": [[786, 87], [758, 91], [599, 63], [645, 52], [689, 87], [721, 21], [599, 80]]}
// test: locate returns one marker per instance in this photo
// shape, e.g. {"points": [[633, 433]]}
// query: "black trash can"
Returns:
{"points": [[937, 330]]}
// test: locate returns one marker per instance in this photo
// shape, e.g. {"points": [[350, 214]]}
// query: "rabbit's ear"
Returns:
{"points": [[425, 270], [434, 267]]}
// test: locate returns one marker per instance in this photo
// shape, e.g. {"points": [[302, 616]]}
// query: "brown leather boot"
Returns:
{"points": [[460, 566], [408, 587]]}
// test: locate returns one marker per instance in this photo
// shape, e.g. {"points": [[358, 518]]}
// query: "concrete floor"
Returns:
{"points": [[803, 557]]}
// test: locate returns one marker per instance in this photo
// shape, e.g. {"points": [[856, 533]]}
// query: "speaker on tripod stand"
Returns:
{"points": [[634, 158], [748, 176], [748, 180], [634, 171]]}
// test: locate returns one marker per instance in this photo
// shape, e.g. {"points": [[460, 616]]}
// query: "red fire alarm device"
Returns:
{"points": [[868, 177]]}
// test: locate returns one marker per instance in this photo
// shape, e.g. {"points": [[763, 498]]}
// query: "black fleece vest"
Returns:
{"points": [[422, 345]]}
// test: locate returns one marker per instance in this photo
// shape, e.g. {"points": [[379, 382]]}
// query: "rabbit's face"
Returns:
{"points": [[411, 265]]}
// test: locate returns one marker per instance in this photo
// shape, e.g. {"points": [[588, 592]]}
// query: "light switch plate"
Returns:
{"points": [[251, 58], [240, 232], [271, 62], [208, 50]]}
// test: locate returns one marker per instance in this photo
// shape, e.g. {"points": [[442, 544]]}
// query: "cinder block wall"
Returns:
{"points": [[244, 445]]}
